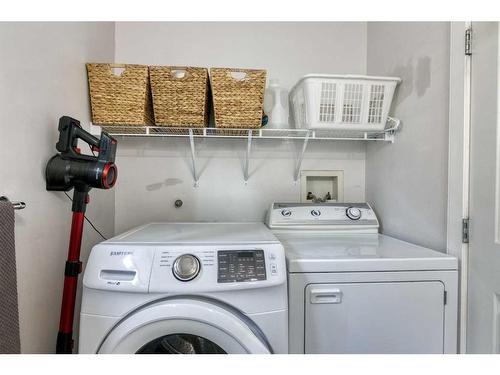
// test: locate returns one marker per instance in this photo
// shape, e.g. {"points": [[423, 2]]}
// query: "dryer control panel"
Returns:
{"points": [[340, 217]]}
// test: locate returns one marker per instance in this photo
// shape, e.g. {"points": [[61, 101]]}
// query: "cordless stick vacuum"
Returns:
{"points": [[70, 169]]}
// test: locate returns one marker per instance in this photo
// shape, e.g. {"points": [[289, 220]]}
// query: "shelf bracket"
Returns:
{"points": [[391, 130], [301, 157], [193, 158], [247, 157]]}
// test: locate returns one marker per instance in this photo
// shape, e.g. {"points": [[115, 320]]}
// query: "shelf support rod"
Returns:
{"points": [[301, 157], [193, 158], [247, 158]]}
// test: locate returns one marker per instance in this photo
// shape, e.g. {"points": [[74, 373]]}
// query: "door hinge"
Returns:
{"points": [[465, 230], [468, 42], [445, 297]]}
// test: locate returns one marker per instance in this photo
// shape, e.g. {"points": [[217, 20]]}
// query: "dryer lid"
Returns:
{"points": [[316, 252]]}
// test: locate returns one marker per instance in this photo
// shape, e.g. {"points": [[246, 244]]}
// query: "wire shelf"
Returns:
{"points": [[262, 133], [249, 134]]}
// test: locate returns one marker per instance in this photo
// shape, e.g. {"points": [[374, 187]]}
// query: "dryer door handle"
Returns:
{"points": [[325, 295]]}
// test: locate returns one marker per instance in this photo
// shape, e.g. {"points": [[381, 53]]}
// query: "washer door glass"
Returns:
{"points": [[185, 326], [181, 344]]}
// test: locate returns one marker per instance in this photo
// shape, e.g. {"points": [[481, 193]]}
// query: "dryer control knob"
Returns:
{"points": [[353, 213], [286, 213], [315, 213], [186, 267]]}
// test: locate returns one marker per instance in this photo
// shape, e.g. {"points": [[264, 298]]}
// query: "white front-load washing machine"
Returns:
{"points": [[186, 288], [352, 290]]}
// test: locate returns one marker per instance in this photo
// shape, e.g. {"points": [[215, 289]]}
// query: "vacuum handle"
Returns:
{"points": [[70, 131], [86, 137]]}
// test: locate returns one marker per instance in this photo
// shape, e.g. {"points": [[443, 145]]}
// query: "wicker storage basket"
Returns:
{"points": [[238, 96], [123, 99], [180, 96]]}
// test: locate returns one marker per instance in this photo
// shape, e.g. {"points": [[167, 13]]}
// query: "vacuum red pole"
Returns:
{"points": [[72, 271], [70, 169]]}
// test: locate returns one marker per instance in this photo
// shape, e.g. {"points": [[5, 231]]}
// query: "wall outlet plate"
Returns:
{"points": [[320, 183]]}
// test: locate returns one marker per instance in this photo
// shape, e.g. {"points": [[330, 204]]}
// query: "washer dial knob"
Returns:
{"points": [[353, 213], [186, 267], [286, 212]]}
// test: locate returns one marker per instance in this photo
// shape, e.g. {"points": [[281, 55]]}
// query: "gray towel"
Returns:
{"points": [[9, 314]]}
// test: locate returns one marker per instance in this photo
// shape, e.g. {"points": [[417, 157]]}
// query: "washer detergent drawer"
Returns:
{"points": [[387, 317]]}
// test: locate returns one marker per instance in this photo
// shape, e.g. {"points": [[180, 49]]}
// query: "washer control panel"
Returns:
{"points": [[185, 269], [240, 266]]}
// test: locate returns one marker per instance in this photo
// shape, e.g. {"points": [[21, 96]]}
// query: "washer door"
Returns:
{"points": [[188, 326]]}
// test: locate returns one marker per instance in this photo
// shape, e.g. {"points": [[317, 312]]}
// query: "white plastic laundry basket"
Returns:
{"points": [[342, 102]]}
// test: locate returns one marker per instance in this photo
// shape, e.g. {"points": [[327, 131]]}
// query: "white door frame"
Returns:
{"points": [[458, 163]]}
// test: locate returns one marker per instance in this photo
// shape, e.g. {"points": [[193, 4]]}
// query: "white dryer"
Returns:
{"points": [[352, 290], [186, 288]]}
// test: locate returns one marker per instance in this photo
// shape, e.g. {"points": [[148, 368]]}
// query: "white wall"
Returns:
{"points": [[42, 77], [407, 181], [287, 50], [153, 173]]}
